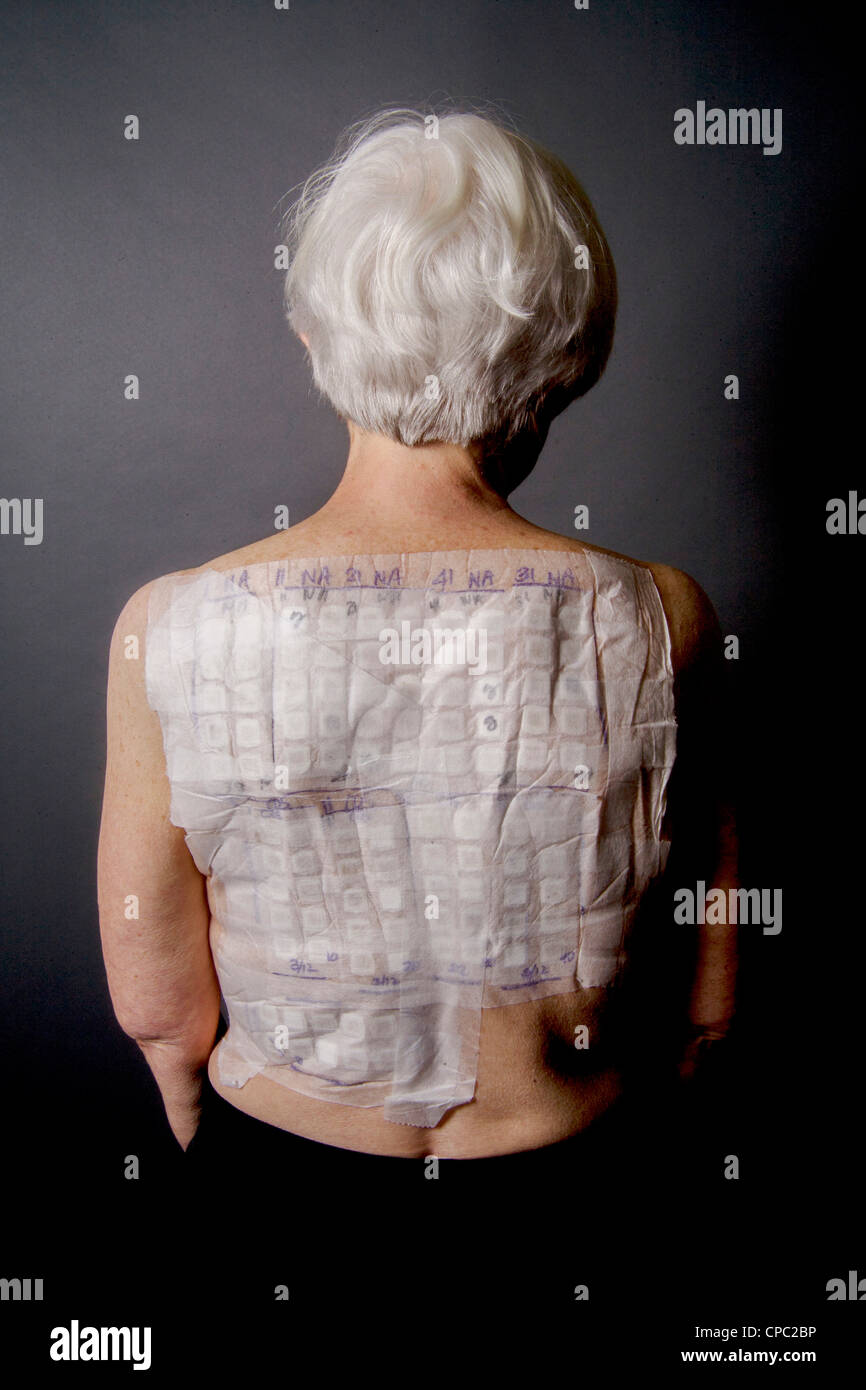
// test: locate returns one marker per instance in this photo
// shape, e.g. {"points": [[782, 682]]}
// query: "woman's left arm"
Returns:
{"points": [[153, 909], [701, 810]]}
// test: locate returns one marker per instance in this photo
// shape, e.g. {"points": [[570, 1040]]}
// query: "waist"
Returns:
{"points": [[533, 1088]]}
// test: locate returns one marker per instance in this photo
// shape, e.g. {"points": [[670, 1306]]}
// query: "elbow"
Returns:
{"points": [[191, 1041], [176, 1055]]}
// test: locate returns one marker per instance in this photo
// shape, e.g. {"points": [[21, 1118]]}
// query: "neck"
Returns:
{"points": [[386, 483]]}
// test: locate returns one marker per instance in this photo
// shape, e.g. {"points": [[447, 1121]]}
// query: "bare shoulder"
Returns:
{"points": [[692, 621], [134, 737], [134, 613], [130, 631], [132, 619]]}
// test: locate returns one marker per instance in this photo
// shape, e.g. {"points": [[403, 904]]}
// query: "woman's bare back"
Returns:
{"points": [[534, 1087]]}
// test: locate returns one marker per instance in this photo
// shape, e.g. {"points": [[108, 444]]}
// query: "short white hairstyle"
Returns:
{"points": [[451, 278]]}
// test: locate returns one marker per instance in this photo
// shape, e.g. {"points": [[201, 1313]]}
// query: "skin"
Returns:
{"points": [[533, 1087]]}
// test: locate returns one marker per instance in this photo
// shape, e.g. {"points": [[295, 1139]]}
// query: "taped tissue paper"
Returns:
{"points": [[420, 785]]}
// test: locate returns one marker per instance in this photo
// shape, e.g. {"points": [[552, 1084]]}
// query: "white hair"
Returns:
{"points": [[435, 267]]}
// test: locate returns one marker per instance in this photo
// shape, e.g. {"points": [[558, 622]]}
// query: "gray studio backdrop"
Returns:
{"points": [[155, 257]]}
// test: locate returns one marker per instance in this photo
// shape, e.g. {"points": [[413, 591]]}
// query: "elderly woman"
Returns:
{"points": [[390, 787]]}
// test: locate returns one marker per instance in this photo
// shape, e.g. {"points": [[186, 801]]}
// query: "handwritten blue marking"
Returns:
{"points": [[527, 984]]}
